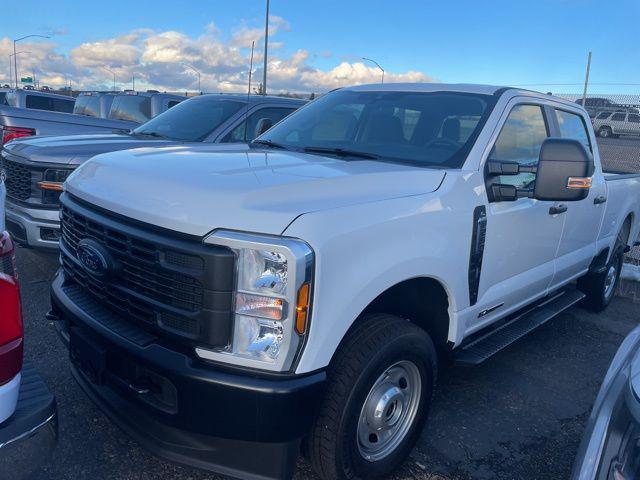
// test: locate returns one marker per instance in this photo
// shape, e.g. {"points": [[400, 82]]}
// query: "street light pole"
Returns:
{"points": [[266, 44], [114, 77], [15, 62], [14, 55], [377, 65], [197, 73]]}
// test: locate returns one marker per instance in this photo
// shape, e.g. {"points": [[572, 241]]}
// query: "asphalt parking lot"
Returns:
{"points": [[520, 415]]}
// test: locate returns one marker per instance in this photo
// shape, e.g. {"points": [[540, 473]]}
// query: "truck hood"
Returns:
{"points": [[76, 149], [195, 190]]}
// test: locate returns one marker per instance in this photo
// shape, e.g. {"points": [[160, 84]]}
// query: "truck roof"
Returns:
{"points": [[256, 99], [456, 87], [39, 93]]}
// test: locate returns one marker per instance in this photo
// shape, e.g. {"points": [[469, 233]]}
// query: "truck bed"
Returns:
{"points": [[58, 123]]}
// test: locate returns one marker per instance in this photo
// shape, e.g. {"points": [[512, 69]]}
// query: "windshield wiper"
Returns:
{"points": [[270, 144], [342, 152], [149, 134]]}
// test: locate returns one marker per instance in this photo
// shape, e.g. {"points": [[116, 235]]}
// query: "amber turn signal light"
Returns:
{"points": [[579, 182], [302, 308], [55, 186]]}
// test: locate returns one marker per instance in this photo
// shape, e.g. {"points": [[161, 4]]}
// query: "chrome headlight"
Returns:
{"points": [[272, 300]]}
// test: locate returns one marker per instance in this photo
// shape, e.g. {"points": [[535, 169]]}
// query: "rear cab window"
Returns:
{"points": [[132, 108], [87, 105], [41, 102]]}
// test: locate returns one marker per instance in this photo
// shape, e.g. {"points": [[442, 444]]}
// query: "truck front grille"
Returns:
{"points": [[23, 178], [18, 181], [163, 283]]}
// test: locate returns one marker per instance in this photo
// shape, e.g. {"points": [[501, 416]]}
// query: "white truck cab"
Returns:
{"points": [[306, 286]]}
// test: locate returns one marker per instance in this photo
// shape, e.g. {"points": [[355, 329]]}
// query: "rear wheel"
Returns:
{"points": [[600, 288], [379, 391]]}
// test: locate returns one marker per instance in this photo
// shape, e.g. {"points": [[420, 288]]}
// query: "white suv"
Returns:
{"points": [[614, 124]]}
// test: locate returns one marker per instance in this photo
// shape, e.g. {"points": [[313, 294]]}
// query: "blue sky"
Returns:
{"points": [[499, 42]]}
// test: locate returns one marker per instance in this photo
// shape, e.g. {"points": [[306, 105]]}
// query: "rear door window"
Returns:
{"points": [[132, 108], [573, 126], [634, 118], [618, 117]]}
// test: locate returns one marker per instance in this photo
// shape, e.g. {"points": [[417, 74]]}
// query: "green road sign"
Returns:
{"points": [[26, 79]]}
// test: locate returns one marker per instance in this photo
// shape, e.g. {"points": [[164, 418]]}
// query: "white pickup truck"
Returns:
{"points": [[226, 307], [28, 412]]}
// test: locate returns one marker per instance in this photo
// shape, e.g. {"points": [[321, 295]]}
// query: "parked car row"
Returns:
{"points": [[233, 285], [595, 105], [37, 167], [27, 113]]}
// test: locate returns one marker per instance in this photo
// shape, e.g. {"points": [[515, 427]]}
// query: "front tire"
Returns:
{"points": [[605, 132], [379, 391]]}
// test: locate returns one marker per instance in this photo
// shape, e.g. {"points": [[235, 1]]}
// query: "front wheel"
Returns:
{"points": [[379, 391], [605, 132]]}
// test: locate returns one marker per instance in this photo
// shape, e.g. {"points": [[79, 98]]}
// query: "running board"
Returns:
{"points": [[487, 345]]}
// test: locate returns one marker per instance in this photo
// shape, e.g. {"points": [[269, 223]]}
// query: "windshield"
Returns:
{"points": [[192, 120], [433, 129]]}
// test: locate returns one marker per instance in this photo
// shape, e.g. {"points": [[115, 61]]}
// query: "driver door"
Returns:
{"points": [[522, 236]]}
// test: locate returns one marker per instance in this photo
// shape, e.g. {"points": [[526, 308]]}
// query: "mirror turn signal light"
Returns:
{"points": [[55, 186], [579, 182], [302, 308]]}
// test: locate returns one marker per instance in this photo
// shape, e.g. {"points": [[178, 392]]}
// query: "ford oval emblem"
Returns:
{"points": [[95, 258]]}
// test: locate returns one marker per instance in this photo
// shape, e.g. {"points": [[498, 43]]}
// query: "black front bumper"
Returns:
{"points": [[235, 423]]}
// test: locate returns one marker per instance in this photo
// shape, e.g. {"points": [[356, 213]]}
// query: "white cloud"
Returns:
{"points": [[158, 60]]}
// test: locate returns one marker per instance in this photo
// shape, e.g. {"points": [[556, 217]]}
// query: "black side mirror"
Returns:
{"points": [[564, 171], [262, 126]]}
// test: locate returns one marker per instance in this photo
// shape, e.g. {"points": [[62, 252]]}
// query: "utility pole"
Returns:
{"points": [[266, 43], [133, 82], [586, 81]]}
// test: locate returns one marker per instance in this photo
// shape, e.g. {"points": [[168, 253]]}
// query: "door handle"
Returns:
{"points": [[599, 199], [556, 209]]}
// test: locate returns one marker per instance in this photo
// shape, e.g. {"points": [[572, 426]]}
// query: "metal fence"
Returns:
{"points": [[616, 121]]}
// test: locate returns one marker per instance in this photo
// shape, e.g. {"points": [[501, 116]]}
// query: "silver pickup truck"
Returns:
{"points": [[37, 100], [127, 111], [36, 167]]}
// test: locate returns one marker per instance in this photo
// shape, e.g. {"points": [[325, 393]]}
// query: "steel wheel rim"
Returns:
{"points": [[610, 281], [389, 410]]}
